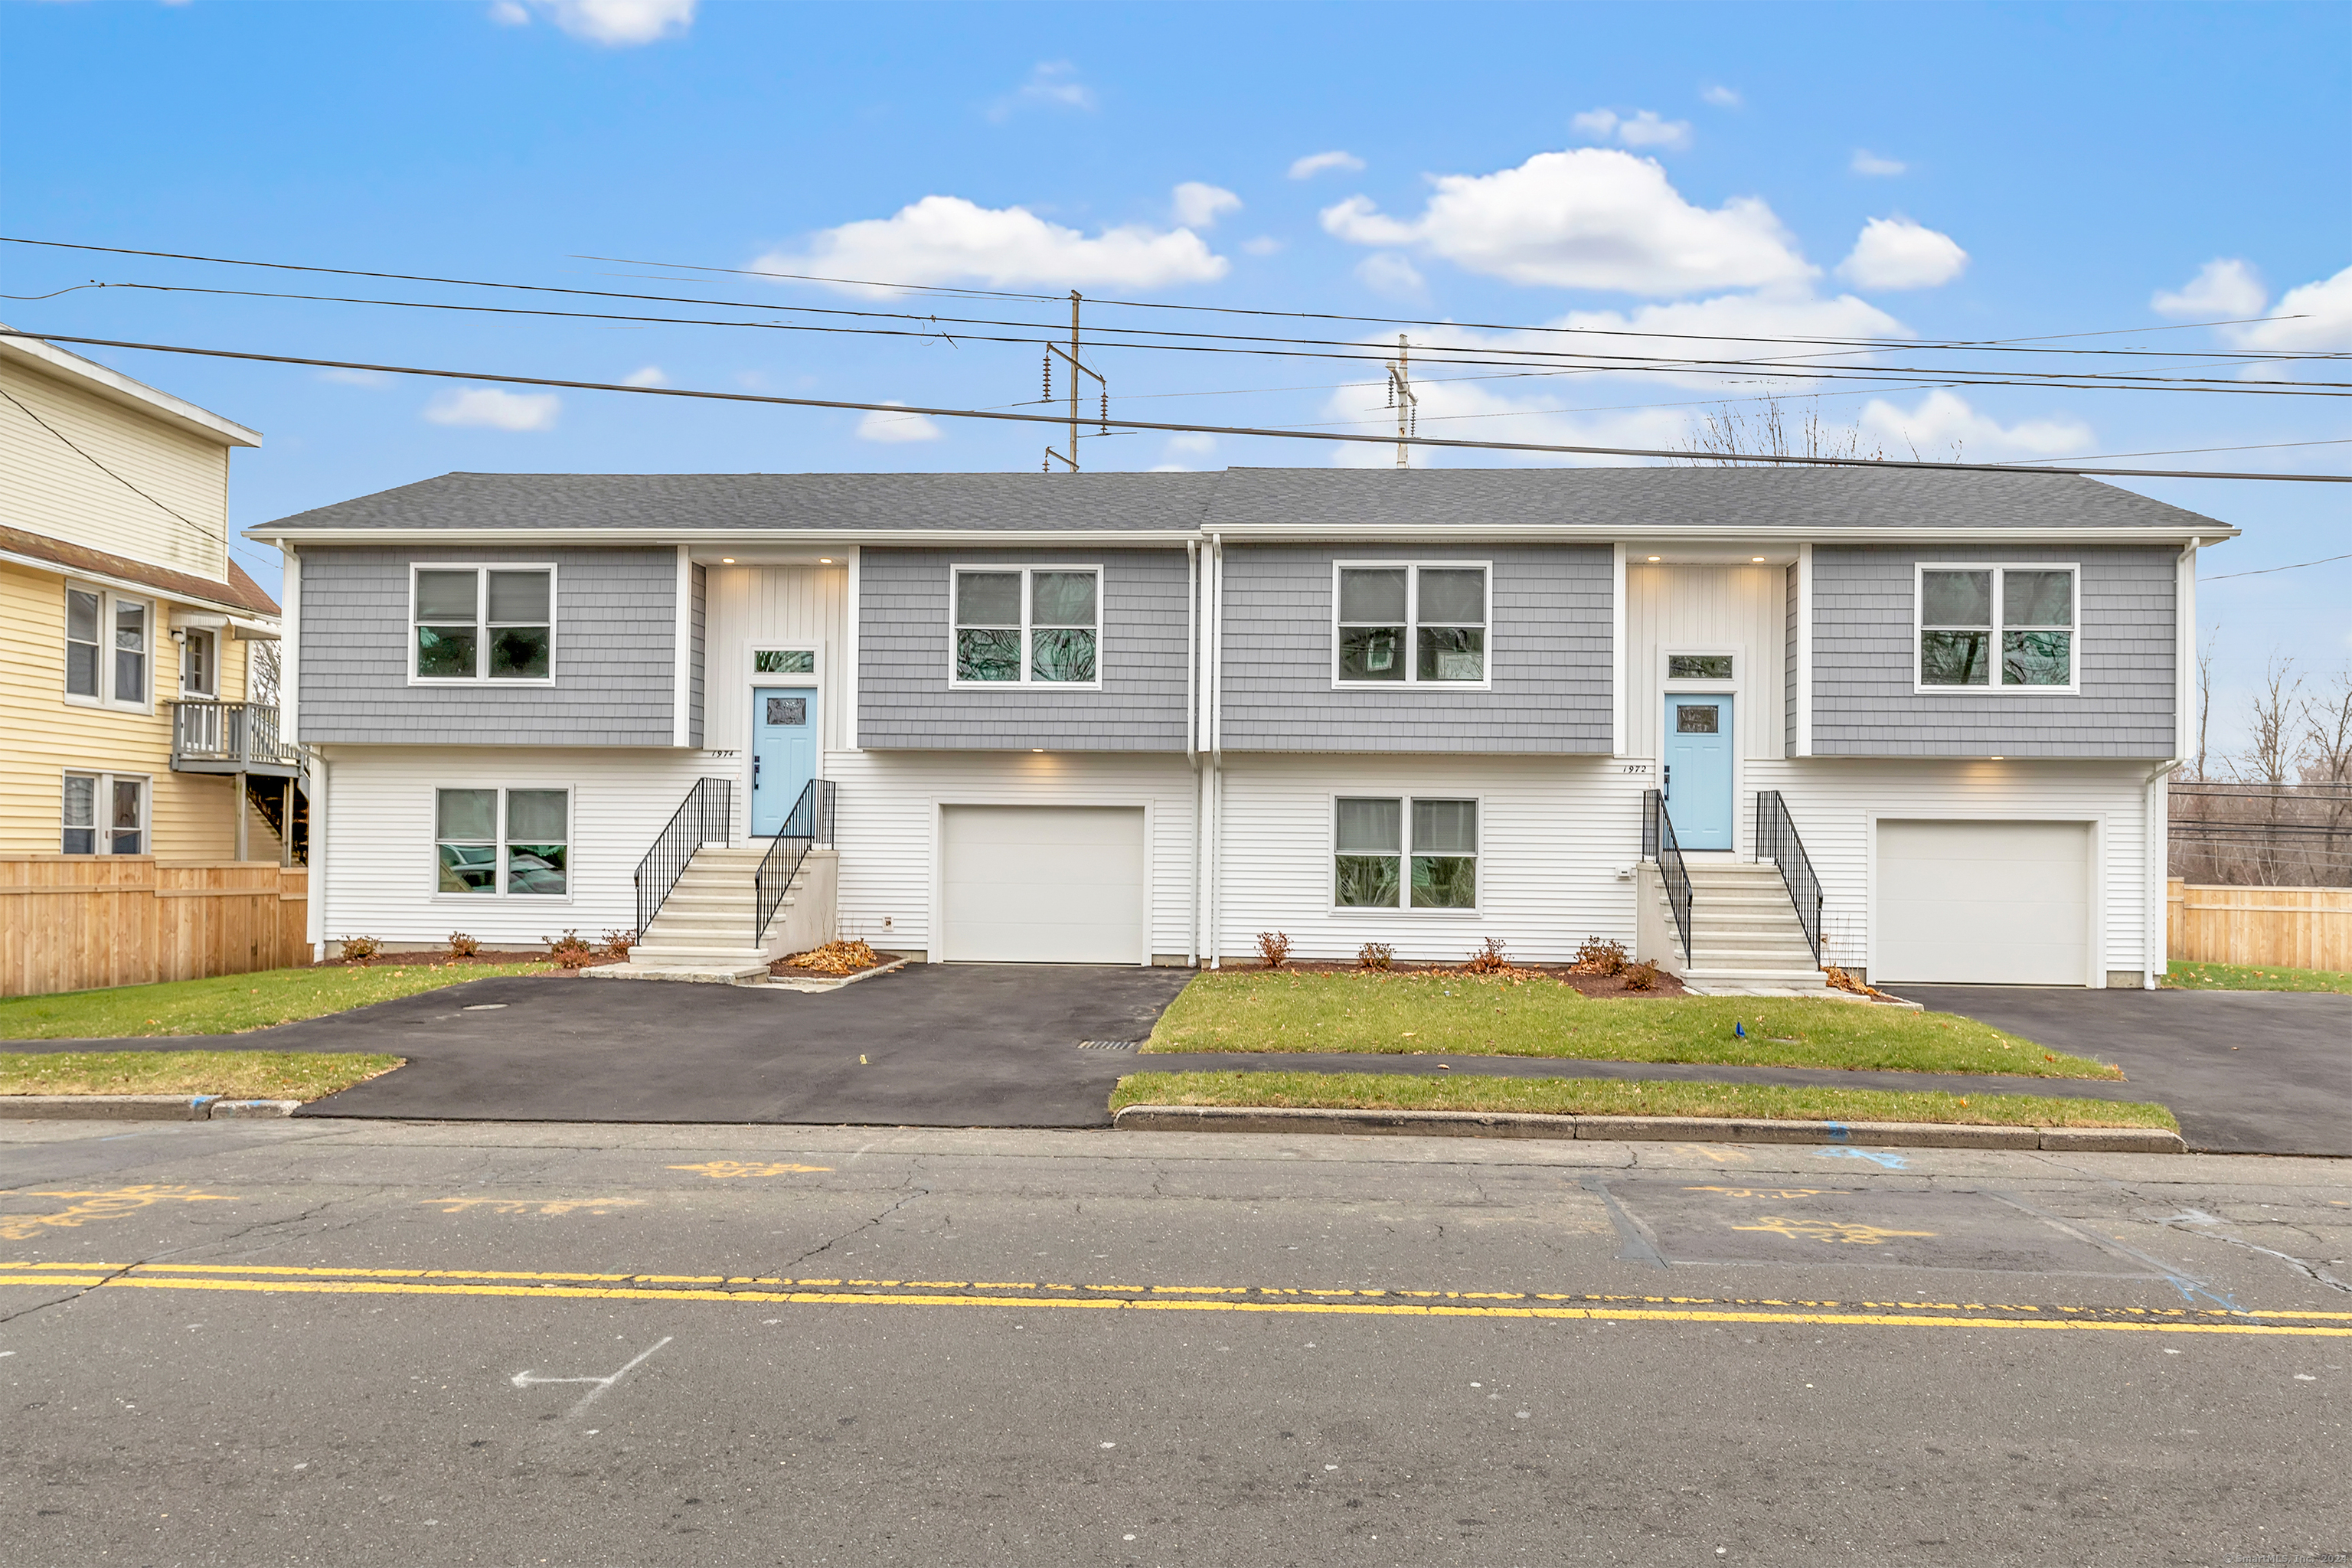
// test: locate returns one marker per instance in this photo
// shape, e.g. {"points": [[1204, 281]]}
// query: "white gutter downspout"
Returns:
{"points": [[1193, 734], [2155, 940], [317, 914], [1213, 634]]}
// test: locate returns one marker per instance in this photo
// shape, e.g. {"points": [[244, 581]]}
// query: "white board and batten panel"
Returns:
{"points": [[1839, 803], [1982, 902], [1554, 833], [893, 824], [1043, 884], [751, 607], [379, 877], [1739, 610]]}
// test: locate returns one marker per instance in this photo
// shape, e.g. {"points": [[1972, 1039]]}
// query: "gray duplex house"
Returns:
{"points": [[1745, 721]]}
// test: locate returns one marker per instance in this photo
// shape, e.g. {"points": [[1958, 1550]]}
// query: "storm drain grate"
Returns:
{"points": [[1109, 1045]]}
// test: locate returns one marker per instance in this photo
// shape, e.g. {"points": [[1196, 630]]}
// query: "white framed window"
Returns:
{"points": [[1409, 624], [482, 623], [1995, 628], [104, 813], [199, 662], [1405, 852], [1027, 626], [502, 842], [783, 662], [110, 647], [1703, 668]]}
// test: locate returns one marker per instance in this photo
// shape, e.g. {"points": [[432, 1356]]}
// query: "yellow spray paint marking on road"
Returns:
{"points": [[269, 1279], [1773, 1192], [1841, 1231], [535, 1205], [98, 1206], [1720, 1156], [719, 1170]]}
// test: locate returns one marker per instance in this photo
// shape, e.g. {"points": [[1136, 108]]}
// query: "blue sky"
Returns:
{"points": [[1939, 172]]}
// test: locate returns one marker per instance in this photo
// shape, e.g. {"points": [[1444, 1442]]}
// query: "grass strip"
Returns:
{"points": [[2183, 977], [231, 1004], [1613, 1097], [239, 1075], [1463, 1015]]}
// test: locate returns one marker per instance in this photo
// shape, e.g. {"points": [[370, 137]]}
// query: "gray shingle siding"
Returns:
{"points": [[1547, 650], [694, 691], [905, 699], [615, 641], [1864, 703]]}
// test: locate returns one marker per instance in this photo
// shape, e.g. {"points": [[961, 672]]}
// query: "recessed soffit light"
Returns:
{"points": [[727, 561]]}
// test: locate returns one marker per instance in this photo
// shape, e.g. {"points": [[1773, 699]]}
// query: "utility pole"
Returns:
{"points": [[1077, 368], [1400, 397]]}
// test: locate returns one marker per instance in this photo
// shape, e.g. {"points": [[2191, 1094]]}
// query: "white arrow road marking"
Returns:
{"points": [[525, 1379]]}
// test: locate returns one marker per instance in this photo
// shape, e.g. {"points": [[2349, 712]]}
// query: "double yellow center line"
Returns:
{"points": [[775, 1291]]}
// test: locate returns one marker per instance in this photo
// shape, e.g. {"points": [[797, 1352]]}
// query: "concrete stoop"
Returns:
{"points": [[703, 933], [1745, 937]]}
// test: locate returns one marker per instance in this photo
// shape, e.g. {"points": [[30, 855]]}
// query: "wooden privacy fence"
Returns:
{"points": [[75, 922], [2289, 927]]}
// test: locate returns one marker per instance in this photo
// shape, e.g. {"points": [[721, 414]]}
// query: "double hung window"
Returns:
{"points": [[1996, 627], [107, 647], [105, 814], [1034, 625], [1405, 852], [512, 841], [483, 623], [1409, 625]]}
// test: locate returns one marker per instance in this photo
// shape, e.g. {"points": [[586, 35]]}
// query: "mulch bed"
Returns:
{"points": [[1586, 984], [436, 958]]}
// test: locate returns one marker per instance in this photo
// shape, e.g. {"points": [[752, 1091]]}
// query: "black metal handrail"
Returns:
{"points": [[1776, 841], [705, 817], [1658, 844], [808, 824]]}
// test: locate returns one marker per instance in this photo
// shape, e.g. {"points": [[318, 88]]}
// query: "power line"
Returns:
{"points": [[901, 408], [102, 467], [2266, 570]]}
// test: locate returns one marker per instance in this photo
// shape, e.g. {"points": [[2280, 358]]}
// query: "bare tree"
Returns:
{"points": [[2205, 694], [1725, 435], [264, 668], [2274, 741]]}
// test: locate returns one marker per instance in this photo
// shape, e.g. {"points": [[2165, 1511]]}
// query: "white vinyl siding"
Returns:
{"points": [[1042, 884], [1985, 903]]}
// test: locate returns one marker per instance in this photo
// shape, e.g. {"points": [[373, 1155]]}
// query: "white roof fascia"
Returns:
{"points": [[117, 387], [1531, 533], [235, 613]]}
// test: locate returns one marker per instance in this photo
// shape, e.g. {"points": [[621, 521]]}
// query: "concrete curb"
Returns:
{"points": [[812, 981], [137, 1107], [1642, 1129]]}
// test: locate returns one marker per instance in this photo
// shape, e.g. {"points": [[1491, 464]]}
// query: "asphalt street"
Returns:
{"points": [[366, 1342]]}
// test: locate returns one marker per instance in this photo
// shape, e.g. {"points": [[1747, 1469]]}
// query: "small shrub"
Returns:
{"points": [[360, 949], [571, 950], [463, 946], [1490, 959], [1378, 955], [1274, 947], [1640, 977], [1599, 957], [616, 944]]}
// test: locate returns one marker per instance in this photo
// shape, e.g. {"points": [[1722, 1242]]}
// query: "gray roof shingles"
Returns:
{"points": [[1339, 501]]}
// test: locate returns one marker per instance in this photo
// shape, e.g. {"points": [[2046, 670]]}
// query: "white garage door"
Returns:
{"points": [[1990, 903], [1037, 884]]}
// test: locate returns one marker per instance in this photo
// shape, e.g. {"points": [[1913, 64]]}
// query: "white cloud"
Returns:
{"points": [[619, 24], [1315, 164], [1866, 162], [1191, 445], [1589, 218], [892, 429], [1943, 427], [2325, 309], [1897, 253], [1391, 276], [1199, 206], [355, 377], [1720, 96], [1642, 130], [1052, 84], [2222, 289], [487, 408], [1263, 245], [947, 239], [646, 376]]}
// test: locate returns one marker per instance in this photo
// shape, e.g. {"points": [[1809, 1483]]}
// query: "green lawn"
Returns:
{"points": [[229, 1004], [2182, 976], [239, 1075], [1611, 1096], [1452, 1016]]}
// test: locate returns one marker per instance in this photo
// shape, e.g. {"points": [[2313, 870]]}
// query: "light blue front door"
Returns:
{"points": [[1698, 771], [784, 752]]}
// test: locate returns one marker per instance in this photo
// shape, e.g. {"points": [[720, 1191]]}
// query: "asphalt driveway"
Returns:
{"points": [[2251, 1072]]}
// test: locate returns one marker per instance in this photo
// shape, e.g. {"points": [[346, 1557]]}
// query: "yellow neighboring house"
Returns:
{"points": [[137, 713]]}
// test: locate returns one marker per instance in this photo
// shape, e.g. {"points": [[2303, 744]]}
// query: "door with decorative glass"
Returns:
{"points": [[783, 741], [1698, 770]]}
